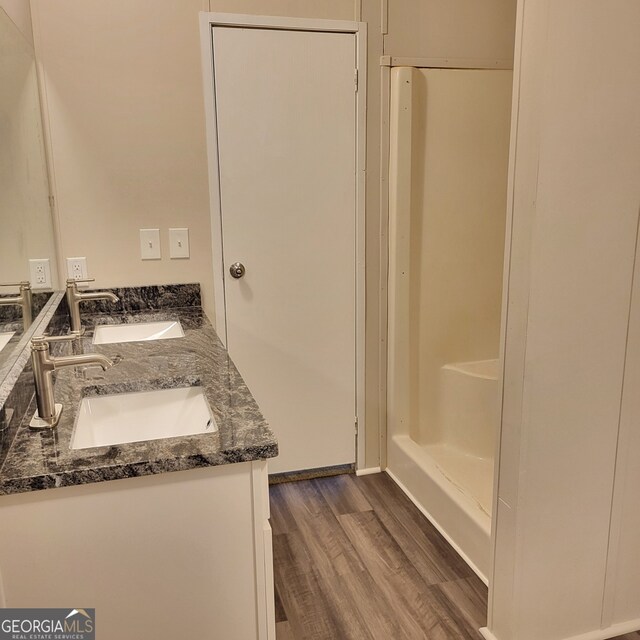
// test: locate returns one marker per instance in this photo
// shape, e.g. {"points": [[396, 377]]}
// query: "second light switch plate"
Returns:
{"points": [[150, 244], [178, 243]]}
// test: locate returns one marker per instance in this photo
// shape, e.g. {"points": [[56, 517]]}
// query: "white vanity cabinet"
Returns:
{"points": [[174, 555]]}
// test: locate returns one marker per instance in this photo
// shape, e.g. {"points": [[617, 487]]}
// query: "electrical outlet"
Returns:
{"points": [[40, 273], [77, 269]]}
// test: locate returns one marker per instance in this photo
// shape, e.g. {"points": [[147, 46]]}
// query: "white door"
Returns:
{"points": [[286, 124]]}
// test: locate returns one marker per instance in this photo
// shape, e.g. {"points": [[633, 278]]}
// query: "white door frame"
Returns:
{"points": [[359, 29]]}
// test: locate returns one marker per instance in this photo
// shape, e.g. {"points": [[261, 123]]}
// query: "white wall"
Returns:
{"points": [[328, 9], [25, 216], [462, 29], [575, 206], [20, 12], [623, 566], [126, 124]]}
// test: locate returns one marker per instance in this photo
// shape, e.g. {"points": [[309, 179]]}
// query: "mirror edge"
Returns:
{"points": [[12, 368]]}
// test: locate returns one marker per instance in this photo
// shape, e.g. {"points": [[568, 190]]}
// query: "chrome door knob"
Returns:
{"points": [[237, 270]]}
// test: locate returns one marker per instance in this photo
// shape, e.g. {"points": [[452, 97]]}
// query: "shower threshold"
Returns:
{"points": [[438, 492]]}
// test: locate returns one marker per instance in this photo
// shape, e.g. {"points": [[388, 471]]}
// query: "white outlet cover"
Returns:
{"points": [[150, 244], [77, 269], [40, 273], [178, 243]]}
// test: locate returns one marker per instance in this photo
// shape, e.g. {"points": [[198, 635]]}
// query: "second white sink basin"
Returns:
{"points": [[4, 339], [136, 332], [144, 415]]}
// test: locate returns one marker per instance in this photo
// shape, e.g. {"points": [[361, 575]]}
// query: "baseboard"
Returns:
{"points": [[600, 634], [368, 471], [310, 474], [613, 631]]}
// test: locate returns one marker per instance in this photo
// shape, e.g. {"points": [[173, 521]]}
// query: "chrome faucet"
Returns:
{"points": [[24, 300], [44, 364], [74, 298]]}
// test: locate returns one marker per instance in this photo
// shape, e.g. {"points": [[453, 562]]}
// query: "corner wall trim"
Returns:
{"points": [[368, 471]]}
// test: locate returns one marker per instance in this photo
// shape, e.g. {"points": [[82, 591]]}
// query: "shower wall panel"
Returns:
{"points": [[459, 155]]}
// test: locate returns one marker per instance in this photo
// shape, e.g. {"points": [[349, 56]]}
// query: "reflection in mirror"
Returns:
{"points": [[26, 230], [24, 300], [18, 312]]}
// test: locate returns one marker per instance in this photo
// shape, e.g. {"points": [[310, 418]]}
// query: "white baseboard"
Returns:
{"points": [[600, 634], [367, 471], [613, 631]]}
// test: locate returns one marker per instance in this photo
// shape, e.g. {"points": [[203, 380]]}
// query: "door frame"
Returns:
{"points": [[209, 20]]}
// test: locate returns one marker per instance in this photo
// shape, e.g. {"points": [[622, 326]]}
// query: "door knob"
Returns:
{"points": [[237, 270]]}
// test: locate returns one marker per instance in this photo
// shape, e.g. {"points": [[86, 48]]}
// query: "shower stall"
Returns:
{"points": [[449, 148]]}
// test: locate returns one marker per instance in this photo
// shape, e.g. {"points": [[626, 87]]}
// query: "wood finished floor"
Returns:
{"points": [[355, 559]]}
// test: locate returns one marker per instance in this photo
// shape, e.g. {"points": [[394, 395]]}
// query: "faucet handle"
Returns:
{"points": [[23, 284], [44, 338], [72, 281]]}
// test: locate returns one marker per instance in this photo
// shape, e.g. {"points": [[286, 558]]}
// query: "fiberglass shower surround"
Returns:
{"points": [[448, 183]]}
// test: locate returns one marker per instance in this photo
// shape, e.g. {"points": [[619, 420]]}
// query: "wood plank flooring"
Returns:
{"points": [[355, 559]]}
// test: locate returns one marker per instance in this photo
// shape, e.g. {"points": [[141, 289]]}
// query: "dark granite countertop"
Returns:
{"points": [[34, 460]]}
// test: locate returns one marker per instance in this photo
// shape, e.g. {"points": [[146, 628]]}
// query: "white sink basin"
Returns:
{"points": [[141, 331], [144, 415], [4, 339]]}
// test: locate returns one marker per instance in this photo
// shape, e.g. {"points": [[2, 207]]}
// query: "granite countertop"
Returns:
{"points": [[37, 460]]}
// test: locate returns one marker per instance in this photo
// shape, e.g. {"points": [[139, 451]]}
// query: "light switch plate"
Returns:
{"points": [[150, 244], [40, 273], [178, 243]]}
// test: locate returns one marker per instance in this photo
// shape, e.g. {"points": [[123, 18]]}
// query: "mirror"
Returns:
{"points": [[26, 226]]}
